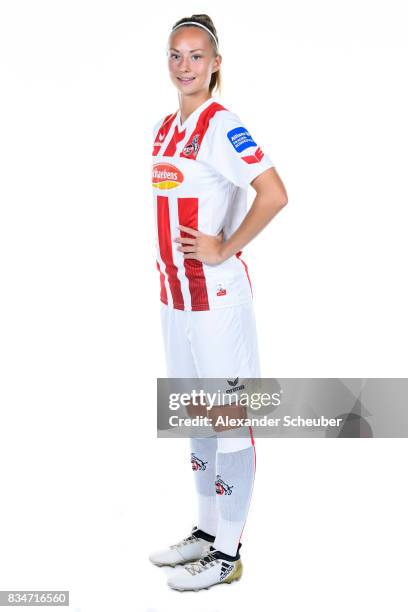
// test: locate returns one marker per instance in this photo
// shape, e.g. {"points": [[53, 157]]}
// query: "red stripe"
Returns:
{"points": [[166, 253], [162, 133], [163, 291], [188, 216], [238, 255], [253, 444], [175, 139], [252, 435], [200, 130]]}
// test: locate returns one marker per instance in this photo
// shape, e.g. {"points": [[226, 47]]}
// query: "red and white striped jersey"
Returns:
{"points": [[200, 177]]}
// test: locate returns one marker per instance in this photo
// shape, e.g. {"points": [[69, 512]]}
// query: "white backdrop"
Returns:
{"points": [[86, 488]]}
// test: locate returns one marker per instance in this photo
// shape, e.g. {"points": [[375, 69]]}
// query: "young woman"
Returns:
{"points": [[203, 162]]}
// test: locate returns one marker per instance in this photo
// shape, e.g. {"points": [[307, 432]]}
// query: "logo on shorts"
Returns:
{"points": [[166, 176], [192, 147], [221, 290], [221, 487], [197, 463], [233, 383]]}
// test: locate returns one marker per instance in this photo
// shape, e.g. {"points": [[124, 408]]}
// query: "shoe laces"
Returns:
{"points": [[202, 564], [189, 540]]}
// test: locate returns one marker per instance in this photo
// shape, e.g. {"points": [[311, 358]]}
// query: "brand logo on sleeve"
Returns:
{"points": [[240, 139], [166, 176], [255, 158]]}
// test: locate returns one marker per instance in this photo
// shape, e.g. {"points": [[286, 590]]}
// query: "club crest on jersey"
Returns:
{"points": [[166, 176], [221, 487], [192, 147]]}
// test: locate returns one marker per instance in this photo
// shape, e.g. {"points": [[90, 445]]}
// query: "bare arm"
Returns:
{"points": [[270, 197]]}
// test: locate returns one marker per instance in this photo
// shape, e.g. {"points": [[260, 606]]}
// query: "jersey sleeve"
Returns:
{"points": [[234, 153]]}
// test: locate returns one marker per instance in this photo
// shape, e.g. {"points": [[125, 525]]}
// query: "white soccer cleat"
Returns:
{"points": [[213, 568], [191, 548]]}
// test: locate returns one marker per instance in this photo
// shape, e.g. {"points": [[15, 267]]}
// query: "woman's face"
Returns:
{"points": [[191, 60]]}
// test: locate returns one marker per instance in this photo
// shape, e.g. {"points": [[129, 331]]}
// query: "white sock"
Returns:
{"points": [[203, 457], [235, 472]]}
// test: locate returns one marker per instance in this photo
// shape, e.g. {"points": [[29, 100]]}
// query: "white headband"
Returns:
{"points": [[200, 25]]}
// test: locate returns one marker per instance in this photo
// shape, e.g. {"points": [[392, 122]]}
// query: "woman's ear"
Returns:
{"points": [[217, 62]]}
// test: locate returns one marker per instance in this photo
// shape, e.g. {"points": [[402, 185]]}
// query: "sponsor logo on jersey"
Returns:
{"points": [[221, 290], [240, 139], [192, 147], [197, 463], [221, 487], [255, 158], [166, 176]]}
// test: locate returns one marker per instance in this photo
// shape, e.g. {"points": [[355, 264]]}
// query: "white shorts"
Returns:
{"points": [[219, 343]]}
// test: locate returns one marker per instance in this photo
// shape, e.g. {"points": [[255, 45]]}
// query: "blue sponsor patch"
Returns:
{"points": [[240, 139]]}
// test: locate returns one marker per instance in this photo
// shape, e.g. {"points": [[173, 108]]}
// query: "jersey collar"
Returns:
{"points": [[190, 118]]}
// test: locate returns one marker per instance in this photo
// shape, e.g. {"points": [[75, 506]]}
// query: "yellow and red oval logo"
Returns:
{"points": [[166, 176]]}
